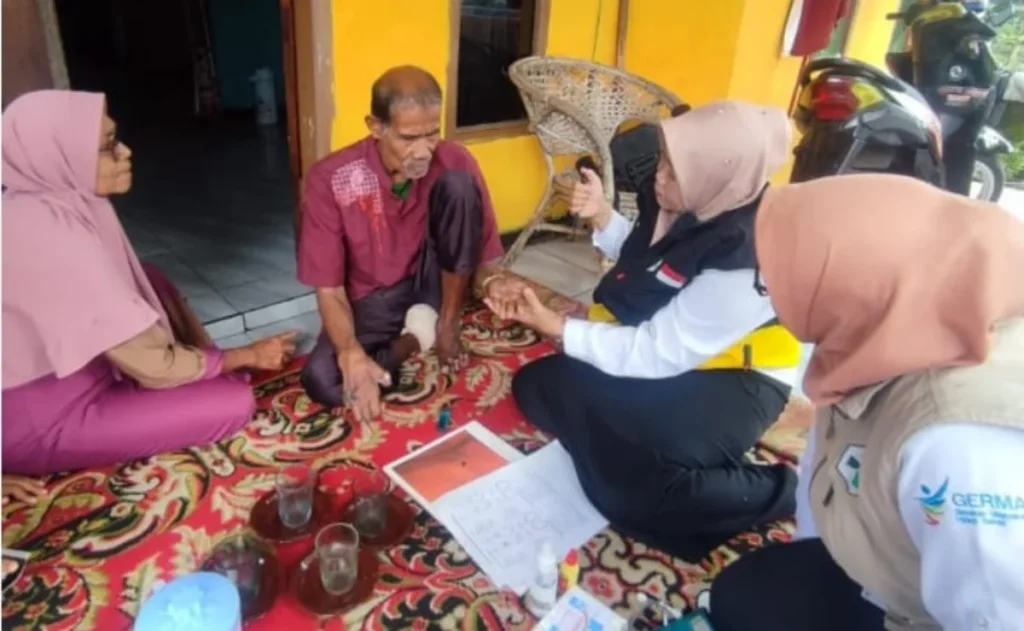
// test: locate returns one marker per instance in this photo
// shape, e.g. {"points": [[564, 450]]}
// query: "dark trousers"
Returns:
{"points": [[663, 459], [452, 244], [790, 587]]}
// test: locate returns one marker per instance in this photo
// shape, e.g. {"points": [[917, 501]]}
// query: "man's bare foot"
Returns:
{"points": [[450, 352], [404, 347], [454, 291]]}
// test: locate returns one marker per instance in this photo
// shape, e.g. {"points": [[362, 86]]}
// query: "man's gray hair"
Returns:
{"points": [[403, 86]]}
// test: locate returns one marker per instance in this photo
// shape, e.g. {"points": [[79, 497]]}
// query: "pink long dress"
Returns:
{"points": [[90, 419]]}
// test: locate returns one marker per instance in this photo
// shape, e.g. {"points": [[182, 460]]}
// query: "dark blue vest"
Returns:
{"points": [[646, 277]]}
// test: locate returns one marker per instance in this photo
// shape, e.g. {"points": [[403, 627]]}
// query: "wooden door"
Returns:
{"points": [[291, 87], [308, 76], [26, 59]]}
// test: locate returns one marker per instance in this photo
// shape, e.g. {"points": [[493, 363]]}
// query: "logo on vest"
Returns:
{"points": [[666, 275], [849, 467], [933, 503], [971, 509]]}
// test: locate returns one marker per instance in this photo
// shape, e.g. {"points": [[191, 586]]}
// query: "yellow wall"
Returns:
{"points": [[762, 74], [686, 46], [870, 32], [701, 50]]}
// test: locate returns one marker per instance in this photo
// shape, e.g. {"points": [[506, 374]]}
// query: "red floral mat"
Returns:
{"points": [[104, 538]]}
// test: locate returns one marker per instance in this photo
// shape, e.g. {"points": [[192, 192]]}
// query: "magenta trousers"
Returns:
{"points": [[89, 419]]}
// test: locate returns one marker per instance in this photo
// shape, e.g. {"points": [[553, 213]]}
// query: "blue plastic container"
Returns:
{"points": [[203, 601]]}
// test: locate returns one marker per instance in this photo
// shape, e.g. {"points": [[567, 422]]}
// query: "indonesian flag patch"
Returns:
{"points": [[667, 275]]}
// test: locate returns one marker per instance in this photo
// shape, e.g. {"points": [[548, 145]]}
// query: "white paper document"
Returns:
{"points": [[501, 519]]}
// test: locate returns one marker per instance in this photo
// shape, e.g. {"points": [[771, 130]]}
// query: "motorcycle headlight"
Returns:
{"points": [[957, 73]]}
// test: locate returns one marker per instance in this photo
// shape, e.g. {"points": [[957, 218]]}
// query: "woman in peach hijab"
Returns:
{"points": [[97, 369], [912, 483], [658, 408]]}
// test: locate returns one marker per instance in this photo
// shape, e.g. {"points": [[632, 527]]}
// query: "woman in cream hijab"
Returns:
{"points": [[658, 407], [912, 482]]}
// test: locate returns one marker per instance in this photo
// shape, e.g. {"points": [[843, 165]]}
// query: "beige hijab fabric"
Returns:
{"points": [[723, 154], [887, 275]]}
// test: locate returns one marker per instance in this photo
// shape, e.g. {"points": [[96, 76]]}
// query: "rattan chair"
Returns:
{"points": [[575, 107]]}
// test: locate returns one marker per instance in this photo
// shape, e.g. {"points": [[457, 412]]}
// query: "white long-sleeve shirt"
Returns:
{"points": [[715, 311], [972, 560]]}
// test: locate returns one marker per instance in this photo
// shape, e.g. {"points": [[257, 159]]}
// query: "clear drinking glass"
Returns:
{"points": [[337, 551], [370, 511], [295, 495]]}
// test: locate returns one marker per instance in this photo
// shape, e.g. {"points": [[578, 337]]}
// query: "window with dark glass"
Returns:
{"points": [[491, 35]]}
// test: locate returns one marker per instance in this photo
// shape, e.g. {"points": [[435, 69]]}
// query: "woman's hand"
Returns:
{"points": [[529, 310], [588, 202], [22, 489], [272, 353]]}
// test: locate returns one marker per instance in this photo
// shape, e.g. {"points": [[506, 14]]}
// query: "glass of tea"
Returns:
{"points": [[337, 552], [372, 494], [295, 486]]}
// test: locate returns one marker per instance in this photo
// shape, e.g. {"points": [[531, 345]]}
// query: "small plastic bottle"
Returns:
{"points": [[543, 593], [569, 572]]}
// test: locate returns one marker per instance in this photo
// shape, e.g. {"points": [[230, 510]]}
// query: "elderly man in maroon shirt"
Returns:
{"points": [[396, 228]]}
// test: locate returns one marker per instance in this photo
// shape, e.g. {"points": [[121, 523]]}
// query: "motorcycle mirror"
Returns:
{"points": [[999, 14]]}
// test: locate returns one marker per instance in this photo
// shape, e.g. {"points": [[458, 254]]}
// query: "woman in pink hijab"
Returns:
{"points": [[911, 503], [92, 371], [658, 407]]}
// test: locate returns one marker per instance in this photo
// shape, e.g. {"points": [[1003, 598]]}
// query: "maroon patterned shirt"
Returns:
{"points": [[359, 234]]}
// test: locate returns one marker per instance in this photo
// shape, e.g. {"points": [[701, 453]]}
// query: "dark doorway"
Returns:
{"points": [[213, 195]]}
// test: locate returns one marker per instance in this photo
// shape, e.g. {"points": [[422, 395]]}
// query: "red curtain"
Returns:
{"points": [[810, 25]]}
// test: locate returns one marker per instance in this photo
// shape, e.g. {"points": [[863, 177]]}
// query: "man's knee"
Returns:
{"points": [[457, 184], [456, 221], [322, 386]]}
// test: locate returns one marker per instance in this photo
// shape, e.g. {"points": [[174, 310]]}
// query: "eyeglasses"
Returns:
{"points": [[110, 146]]}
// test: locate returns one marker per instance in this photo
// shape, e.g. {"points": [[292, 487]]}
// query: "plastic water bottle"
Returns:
{"points": [[543, 593], [266, 96]]}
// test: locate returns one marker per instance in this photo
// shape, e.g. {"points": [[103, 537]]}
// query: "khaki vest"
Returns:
{"points": [[853, 488]]}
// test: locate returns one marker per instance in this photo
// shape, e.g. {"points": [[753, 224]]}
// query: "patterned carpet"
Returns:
{"points": [[103, 538]]}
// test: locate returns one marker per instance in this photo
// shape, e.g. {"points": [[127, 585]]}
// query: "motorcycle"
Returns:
{"points": [[927, 119], [989, 176], [947, 57], [855, 118]]}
